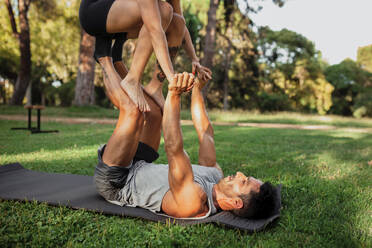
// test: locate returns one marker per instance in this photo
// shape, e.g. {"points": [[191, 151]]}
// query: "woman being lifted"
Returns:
{"points": [[152, 21]]}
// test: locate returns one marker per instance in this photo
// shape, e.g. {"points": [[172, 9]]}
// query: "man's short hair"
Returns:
{"points": [[258, 205]]}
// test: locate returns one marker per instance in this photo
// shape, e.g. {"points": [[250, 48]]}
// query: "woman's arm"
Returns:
{"points": [[189, 47], [204, 73], [151, 18]]}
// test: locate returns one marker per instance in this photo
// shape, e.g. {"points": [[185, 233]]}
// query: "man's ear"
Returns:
{"points": [[238, 203], [230, 203]]}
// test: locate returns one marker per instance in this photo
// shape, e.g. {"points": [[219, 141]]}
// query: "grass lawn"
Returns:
{"points": [[327, 196], [215, 115]]}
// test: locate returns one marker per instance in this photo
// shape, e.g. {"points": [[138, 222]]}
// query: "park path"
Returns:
{"points": [[76, 120]]}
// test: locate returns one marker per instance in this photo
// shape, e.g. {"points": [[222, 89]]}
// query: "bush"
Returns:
{"points": [[61, 96], [360, 112], [363, 104], [66, 93], [273, 102], [100, 97]]}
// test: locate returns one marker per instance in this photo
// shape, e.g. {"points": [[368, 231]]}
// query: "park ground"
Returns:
{"points": [[326, 175]]}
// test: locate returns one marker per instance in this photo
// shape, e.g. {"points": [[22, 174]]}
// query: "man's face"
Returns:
{"points": [[238, 184]]}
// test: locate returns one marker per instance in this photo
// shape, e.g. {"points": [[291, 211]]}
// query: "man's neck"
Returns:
{"points": [[214, 196]]}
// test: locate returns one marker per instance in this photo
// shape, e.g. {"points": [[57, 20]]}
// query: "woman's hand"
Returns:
{"points": [[204, 73]]}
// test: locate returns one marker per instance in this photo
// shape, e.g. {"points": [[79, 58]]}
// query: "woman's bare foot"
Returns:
{"points": [[135, 93], [154, 90]]}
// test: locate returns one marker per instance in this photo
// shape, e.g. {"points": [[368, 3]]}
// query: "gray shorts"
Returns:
{"points": [[109, 180]]}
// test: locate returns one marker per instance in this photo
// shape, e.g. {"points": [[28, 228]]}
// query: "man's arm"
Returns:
{"points": [[183, 199], [203, 126]]}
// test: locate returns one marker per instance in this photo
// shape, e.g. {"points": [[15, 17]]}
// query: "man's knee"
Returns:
{"points": [[130, 110], [178, 22], [135, 113], [166, 11]]}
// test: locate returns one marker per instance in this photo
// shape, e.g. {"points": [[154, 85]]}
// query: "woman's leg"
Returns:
{"points": [[125, 16], [175, 35]]}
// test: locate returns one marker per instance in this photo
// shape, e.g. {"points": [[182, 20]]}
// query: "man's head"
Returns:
{"points": [[246, 196]]}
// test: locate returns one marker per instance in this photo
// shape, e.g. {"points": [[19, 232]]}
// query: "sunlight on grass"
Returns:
{"points": [[287, 118], [45, 156], [347, 135], [215, 115]]}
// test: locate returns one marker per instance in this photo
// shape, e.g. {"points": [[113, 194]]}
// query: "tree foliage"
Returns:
{"points": [[353, 88], [56, 35], [292, 66], [253, 67], [364, 57]]}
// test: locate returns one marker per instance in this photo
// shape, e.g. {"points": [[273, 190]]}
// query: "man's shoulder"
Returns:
{"points": [[198, 204], [210, 174], [194, 202]]}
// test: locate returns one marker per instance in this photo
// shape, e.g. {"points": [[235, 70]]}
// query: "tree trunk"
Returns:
{"points": [[210, 38], [226, 78], [84, 89], [24, 75]]}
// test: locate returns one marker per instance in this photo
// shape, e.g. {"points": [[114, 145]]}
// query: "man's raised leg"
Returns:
{"points": [[122, 145], [151, 131]]}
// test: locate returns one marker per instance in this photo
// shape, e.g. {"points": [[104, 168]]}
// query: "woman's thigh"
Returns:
{"points": [[124, 16]]}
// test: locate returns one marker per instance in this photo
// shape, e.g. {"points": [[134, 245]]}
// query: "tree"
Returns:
{"points": [[353, 88], [235, 38], [364, 57], [23, 37], [292, 66], [55, 32], [211, 29], [84, 90], [210, 37]]}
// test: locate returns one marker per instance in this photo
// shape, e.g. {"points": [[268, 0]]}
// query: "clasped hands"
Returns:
{"points": [[184, 82], [181, 82]]}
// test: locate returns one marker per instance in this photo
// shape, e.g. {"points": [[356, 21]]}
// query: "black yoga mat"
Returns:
{"points": [[78, 192]]}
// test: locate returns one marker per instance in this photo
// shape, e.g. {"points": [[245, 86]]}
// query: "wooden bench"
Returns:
{"points": [[29, 125]]}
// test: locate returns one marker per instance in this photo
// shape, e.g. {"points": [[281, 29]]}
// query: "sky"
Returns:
{"points": [[337, 27]]}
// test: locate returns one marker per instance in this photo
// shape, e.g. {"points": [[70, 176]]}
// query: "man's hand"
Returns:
{"points": [[182, 82], [203, 72]]}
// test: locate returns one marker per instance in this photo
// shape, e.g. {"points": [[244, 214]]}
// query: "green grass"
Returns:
{"points": [[284, 118], [327, 196], [215, 115]]}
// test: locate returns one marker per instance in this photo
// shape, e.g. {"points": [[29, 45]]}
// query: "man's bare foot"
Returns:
{"points": [[154, 90], [135, 93]]}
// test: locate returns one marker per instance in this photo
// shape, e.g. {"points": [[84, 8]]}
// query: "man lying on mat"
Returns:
{"points": [[125, 174]]}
